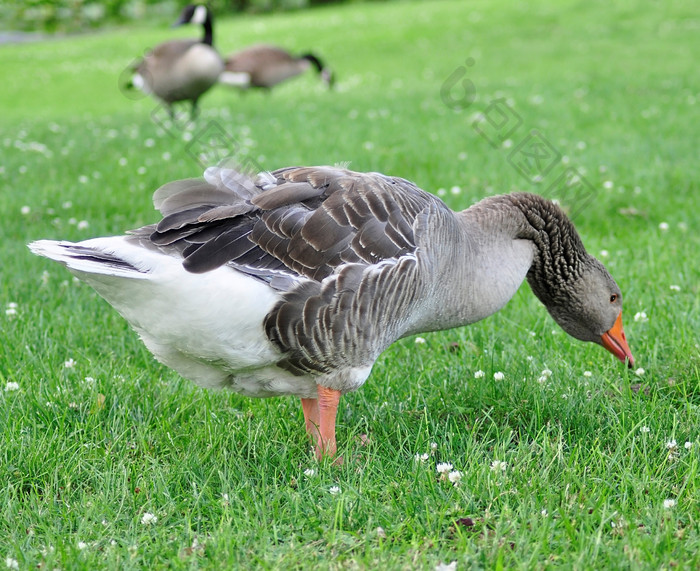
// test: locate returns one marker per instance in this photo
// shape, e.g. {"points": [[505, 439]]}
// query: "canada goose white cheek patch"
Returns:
{"points": [[138, 82], [200, 15]]}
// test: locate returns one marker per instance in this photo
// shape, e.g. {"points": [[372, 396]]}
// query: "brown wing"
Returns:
{"points": [[306, 221], [341, 246], [252, 59]]}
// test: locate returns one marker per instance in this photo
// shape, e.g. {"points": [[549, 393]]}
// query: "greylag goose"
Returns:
{"points": [[294, 282], [181, 70], [265, 66]]}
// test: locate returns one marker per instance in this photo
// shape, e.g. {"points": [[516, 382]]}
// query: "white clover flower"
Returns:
{"points": [[529, 357], [498, 376], [608, 184], [479, 374], [166, 156], [670, 503], [675, 288], [544, 513], [604, 253], [421, 457], [82, 545], [149, 143], [83, 224], [419, 341], [334, 490], [433, 445], [11, 386], [542, 379], [644, 429], [446, 566], [69, 364], [123, 162], [663, 226], [688, 445], [546, 373], [641, 317], [309, 472], [639, 372], [497, 465], [149, 519], [587, 374], [11, 563], [443, 467], [671, 444], [455, 190], [25, 210], [454, 477], [11, 311]]}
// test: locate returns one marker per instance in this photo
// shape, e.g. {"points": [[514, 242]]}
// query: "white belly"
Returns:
{"points": [[208, 327]]}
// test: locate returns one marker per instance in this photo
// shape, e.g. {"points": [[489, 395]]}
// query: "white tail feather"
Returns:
{"points": [[92, 257], [235, 79]]}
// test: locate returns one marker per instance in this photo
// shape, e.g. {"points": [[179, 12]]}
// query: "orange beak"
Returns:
{"points": [[616, 342]]}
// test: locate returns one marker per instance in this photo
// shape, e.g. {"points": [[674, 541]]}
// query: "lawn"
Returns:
{"points": [[110, 460]]}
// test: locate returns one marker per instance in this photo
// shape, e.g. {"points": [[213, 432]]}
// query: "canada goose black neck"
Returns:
{"points": [[208, 37], [312, 59], [198, 14]]}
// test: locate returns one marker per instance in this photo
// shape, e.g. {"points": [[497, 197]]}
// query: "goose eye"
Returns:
{"points": [[613, 298]]}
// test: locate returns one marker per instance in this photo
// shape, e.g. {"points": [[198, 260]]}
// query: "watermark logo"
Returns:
{"points": [[533, 156], [212, 145], [497, 123], [209, 145], [458, 91], [572, 188]]}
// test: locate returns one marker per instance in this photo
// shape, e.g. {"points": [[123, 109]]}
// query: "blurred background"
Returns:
{"points": [[81, 15]]}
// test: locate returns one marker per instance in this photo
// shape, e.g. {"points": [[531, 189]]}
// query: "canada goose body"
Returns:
{"points": [[295, 282], [181, 70], [265, 66]]}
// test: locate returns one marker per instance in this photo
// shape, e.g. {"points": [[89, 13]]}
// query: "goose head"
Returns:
{"points": [[200, 15], [196, 14], [589, 308]]}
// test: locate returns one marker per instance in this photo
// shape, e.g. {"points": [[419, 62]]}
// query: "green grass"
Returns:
{"points": [[613, 87]]}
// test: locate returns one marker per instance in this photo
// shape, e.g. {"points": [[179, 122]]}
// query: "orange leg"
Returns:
{"points": [[328, 400], [311, 417], [319, 418]]}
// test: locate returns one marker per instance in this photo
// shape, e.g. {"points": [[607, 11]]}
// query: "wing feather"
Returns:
{"points": [[342, 247]]}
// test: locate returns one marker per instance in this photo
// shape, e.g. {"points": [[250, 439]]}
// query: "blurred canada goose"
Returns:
{"points": [[181, 70], [295, 282], [265, 66]]}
